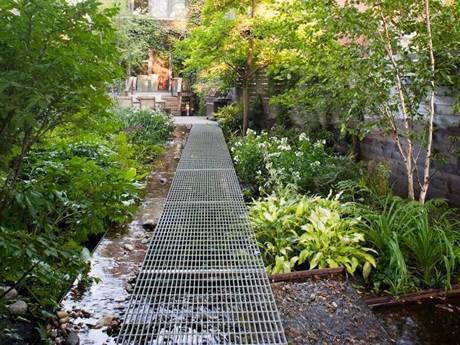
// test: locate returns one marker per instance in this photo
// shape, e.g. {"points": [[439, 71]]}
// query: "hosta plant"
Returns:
{"points": [[293, 230], [330, 240]]}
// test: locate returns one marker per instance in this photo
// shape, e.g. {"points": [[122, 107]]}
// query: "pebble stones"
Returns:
{"points": [[62, 331], [128, 247], [145, 241], [11, 294], [149, 225], [105, 321], [72, 339], [62, 314], [129, 288], [18, 308]]}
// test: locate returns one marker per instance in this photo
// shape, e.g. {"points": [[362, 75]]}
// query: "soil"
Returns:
{"points": [[327, 311]]}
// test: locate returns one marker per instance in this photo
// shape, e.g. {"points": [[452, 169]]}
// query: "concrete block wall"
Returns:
{"points": [[446, 140], [446, 181]]}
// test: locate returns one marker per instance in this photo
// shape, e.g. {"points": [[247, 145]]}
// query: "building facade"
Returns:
{"points": [[159, 9]]}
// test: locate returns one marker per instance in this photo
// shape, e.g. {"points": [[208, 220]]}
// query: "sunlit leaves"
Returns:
{"points": [[293, 230]]}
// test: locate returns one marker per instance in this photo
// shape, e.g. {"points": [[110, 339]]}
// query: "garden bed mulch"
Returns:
{"points": [[326, 311]]}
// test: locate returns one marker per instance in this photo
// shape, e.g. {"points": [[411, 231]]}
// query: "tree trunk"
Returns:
{"points": [[408, 154], [356, 147], [410, 180], [245, 106], [429, 147], [249, 73], [15, 171]]}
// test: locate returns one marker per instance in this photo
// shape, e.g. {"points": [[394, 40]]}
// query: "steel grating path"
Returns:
{"points": [[203, 280]]}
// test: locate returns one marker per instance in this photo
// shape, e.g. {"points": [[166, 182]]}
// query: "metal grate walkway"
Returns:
{"points": [[203, 280]]}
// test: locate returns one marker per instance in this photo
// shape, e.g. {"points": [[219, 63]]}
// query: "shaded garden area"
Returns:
{"points": [[339, 72], [342, 120]]}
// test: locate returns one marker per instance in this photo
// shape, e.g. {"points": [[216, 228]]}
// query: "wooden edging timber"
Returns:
{"points": [[371, 301], [411, 298], [304, 275]]}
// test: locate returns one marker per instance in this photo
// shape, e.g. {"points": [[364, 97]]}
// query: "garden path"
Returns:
{"points": [[203, 279]]}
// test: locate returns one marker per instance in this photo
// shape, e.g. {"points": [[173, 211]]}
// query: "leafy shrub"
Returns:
{"points": [[292, 229], [74, 185], [230, 119], [417, 249], [369, 187], [82, 186], [43, 264], [265, 162], [146, 128]]}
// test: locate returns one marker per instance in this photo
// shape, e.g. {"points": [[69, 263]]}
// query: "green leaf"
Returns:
{"points": [[130, 174], [366, 270], [316, 259]]}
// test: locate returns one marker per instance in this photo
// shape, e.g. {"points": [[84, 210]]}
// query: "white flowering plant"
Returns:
{"points": [[265, 162], [298, 231]]}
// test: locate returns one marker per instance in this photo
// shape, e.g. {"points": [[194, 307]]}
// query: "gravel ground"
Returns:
{"points": [[326, 311]]}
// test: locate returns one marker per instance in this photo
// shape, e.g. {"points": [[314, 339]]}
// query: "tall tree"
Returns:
{"points": [[410, 48], [374, 63], [225, 46]]}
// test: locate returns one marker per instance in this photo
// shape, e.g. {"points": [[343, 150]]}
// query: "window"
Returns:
{"points": [[167, 9]]}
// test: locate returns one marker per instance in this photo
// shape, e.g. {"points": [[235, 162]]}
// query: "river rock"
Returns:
{"points": [[149, 225], [72, 339], [334, 305], [145, 241], [18, 308], [128, 247], [163, 180], [61, 314], [11, 294], [139, 234], [105, 321]]}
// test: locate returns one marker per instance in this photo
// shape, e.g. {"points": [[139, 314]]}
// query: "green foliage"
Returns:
{"points": [[230, 119], [265, 162], [369, 187], [367, 65], [79, 185], [74, 185], [229, 35], [292, 229], [57, 58], [136, 35], [146, 128], [44, 265], [69, 168], [418, 244]]}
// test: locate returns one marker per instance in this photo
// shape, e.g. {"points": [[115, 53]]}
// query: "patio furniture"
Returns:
{"points": [[125, 101], [161, 105], [147, 102]]}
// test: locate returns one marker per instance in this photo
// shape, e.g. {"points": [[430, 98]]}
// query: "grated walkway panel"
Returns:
{"points": [[203, 280]]}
